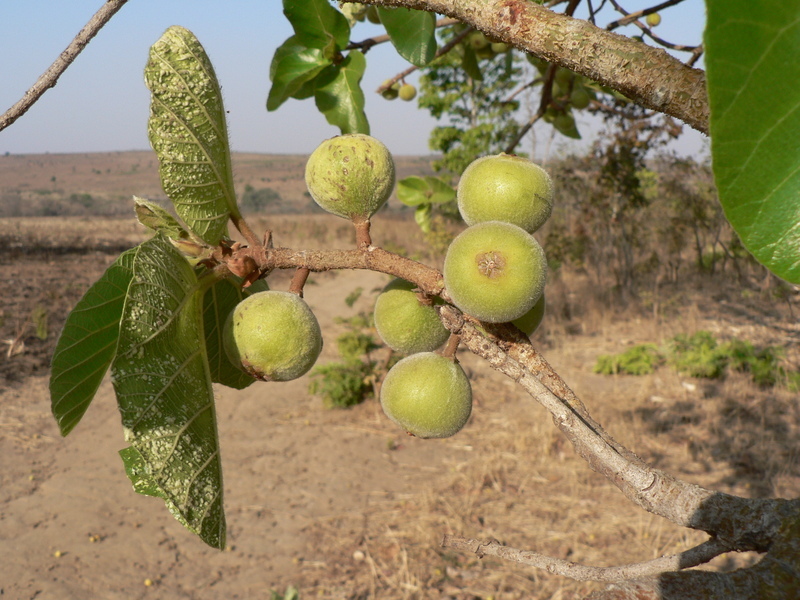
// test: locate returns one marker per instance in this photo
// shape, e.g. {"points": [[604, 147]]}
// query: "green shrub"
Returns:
{"points": [[697, 355], [639, 360]]}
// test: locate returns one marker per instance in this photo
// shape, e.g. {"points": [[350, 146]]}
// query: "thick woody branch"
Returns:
{"points": [[648, 76], [50, 77], [739, 523]]}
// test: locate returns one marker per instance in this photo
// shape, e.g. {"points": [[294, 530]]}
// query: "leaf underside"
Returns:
{"points": [[188, 132], [755, 124], [163, 386]]}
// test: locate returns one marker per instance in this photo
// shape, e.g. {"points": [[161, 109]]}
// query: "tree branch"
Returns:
{"points": [[648, 76], [50, 77], [698, 555]]}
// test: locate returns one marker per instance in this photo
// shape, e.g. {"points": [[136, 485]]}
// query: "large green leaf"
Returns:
{"points": [[163, 386], [187, 130], [218, 302], [753, 66], [87, 344], [341, 99], [317, 24], [292, 66], [411, 32]]}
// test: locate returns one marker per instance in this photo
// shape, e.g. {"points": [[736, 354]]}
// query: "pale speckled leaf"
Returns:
{"points": [[163, 386], [188, 132], [156, 218]]}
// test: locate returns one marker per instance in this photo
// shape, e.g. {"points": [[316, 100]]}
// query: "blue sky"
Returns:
{"points": [[101, 103]]}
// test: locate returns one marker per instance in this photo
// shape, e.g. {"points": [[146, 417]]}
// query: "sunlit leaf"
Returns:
{"points": [[411, 32], [317, 24], [188, 132], [752, 70], [341, 99], [163, 386], [87, 344], [422, 216], [292, 66], [415, 190]]}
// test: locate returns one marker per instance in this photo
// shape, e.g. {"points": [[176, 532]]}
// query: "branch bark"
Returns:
{"points": [[648, 76], [50, 77]]}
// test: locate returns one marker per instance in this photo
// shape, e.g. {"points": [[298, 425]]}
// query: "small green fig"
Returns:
{"points": [[427, 395], [530, 321], [500, 47], [504, 187], [351, 176], [404, 323], [653, 19], [272, 336], [579, 98], [407, 92], [495, 271]]}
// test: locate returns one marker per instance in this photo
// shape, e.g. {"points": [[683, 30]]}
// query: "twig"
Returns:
{"points": [[698, 555], [50, 77]]}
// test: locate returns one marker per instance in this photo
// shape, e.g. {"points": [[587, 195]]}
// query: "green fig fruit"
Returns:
{"points": [[351, 176], [579, 98], [653, 19], [427, 395], [495, 271], [273, 336], [530, 321], [404, 323], [506, 188], [407, 92]]}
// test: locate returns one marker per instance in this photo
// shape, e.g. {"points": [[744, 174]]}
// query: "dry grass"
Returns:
{"points": [[523, 484]]}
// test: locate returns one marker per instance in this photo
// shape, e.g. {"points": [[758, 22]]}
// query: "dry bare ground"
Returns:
{"points": [[342, 504]]}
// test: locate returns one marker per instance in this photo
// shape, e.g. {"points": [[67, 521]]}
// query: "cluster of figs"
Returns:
{"points": [[494, 271]]}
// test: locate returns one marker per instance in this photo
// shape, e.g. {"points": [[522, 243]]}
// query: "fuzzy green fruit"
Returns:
{"points": [[407, 92], [428, 395], [530, 321], [499, 47], [495, 271], [506, 188], [404, 323], [653, 19], [351, 176], [273, 336]]}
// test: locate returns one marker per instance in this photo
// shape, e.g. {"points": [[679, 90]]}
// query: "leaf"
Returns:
{"points": [[87, 344], [188, 132], [422, 216], [470, 64], [414, 190], [218, 302], [162, 381], [154, 217], [411, 32], [317, 24], [341, 99], [293, 65], [755, 124]]}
